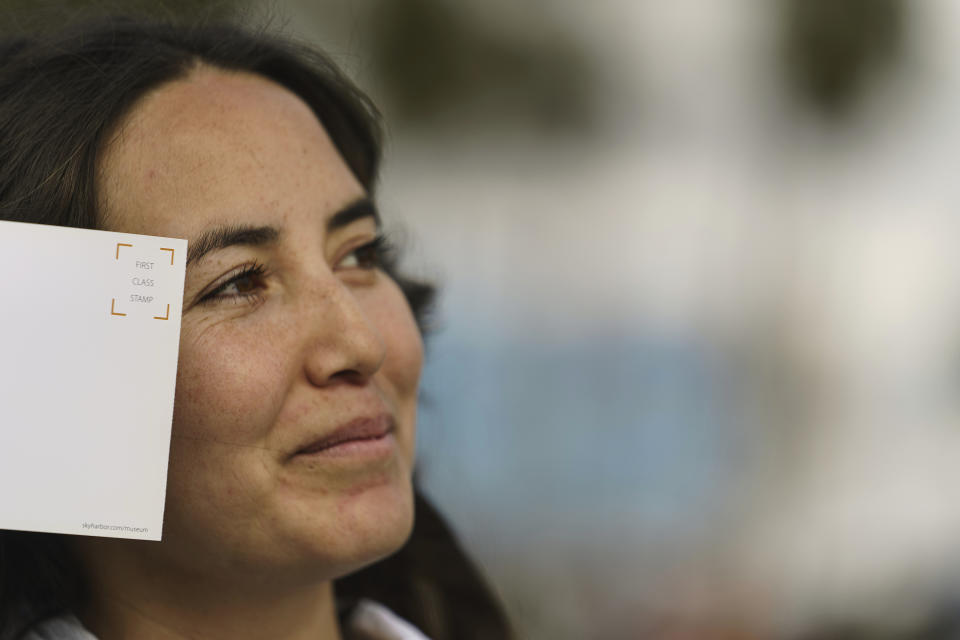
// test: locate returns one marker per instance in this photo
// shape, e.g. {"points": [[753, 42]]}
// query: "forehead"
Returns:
{"points": [[219, 148]]}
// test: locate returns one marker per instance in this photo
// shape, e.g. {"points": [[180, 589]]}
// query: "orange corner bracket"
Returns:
{"points": [[166, 317], [121, 244], [171, 254], [112, 312]]}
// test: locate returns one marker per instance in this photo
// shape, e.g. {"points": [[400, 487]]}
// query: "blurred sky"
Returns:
{"points": [[697, 355]]}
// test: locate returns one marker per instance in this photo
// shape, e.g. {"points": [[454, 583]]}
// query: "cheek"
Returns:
{"points": [[403, 361], [229, 390], [404, 346], [228, 381]]}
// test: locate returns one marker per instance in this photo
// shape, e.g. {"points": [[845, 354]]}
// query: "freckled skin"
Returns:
{"points": [[324, 343]]}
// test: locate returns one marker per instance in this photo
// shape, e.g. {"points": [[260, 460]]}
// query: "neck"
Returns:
{"points": [[130, 600]]}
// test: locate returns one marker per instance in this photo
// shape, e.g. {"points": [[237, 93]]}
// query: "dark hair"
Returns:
{"points": [[61, 98]]}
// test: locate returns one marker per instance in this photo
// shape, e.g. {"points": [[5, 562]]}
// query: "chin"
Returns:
{"points": [[380, 522], [361, 528]]}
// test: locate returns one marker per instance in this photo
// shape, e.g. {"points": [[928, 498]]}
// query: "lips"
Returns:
{"points": [[357, 430]]}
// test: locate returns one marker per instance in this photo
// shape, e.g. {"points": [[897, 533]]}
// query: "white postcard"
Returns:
{"points": [[89, 335]]}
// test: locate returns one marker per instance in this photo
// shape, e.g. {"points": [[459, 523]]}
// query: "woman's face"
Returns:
{"points": [[291, 338]]}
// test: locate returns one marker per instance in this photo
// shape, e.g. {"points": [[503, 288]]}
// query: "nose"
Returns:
{"points": [[343, 345]]}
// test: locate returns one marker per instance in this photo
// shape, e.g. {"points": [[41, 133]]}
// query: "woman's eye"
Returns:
{"points": [[368, 256], [246, 284], [243, 285]]}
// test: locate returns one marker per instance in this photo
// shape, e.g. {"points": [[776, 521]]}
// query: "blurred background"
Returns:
{"points": [[694, 372]]}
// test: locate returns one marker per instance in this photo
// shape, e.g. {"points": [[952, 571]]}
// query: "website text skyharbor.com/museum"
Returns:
{"points": [[113, 527]]}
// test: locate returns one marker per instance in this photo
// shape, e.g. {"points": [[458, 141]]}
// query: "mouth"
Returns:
{"points": [[360, 436]]}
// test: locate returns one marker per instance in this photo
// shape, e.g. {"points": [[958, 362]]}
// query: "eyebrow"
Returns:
{"points": [[359, 209], [222, 237]]}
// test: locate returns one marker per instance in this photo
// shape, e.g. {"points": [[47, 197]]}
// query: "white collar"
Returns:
{"points": [[377, 621], [368, 617]]}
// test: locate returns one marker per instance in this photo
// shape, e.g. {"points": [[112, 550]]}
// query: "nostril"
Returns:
{"points": [[351, 376]]}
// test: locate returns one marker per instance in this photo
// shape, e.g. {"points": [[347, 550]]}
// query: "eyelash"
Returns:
{"points": [[252, 270], [376, 253], [371, 255]]}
